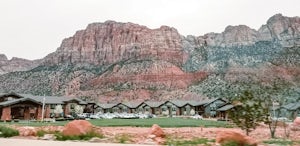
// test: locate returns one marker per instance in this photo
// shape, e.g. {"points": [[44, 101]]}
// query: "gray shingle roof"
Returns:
{"points": [[48, 99], [226, 107], [10, 102], [154, 103], [107, 105], [179, 103], [132, 104], [203, 102], [292, 106]]}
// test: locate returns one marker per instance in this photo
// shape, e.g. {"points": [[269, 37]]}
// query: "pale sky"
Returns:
{"points": [[32, 29]]}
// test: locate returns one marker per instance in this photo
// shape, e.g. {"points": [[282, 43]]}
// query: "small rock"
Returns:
{"points": [[48, 137], [149, 142], [95, 139], [151, 136]]}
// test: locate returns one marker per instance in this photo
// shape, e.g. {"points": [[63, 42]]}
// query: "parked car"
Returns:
{"points": [[197, 117], [282, 119], [69, 117], [95, 116]]}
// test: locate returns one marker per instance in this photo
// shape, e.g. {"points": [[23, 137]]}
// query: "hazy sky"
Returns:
{"points": [[33, 28]]}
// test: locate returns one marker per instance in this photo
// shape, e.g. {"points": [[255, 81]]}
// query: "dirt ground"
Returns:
{"points": [[139, 135]]}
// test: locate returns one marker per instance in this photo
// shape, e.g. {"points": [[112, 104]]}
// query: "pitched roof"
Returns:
{"points": [[179, 103], [226, 107], [212, 100], [10, 102], [203, 102], [292, 106], [9, 94], [132, 104], [48, 99], [288, 106], [154, 103], [107, 105]]}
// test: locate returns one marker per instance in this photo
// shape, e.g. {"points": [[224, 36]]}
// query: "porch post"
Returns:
{"points": [[39, 112], [26, 113], [6, 114]]}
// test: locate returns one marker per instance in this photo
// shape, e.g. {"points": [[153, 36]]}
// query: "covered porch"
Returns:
{"points": [[20, 109]]}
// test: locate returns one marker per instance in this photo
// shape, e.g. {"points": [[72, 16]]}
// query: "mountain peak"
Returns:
{"points": [[3, 57], [276, 17], [111, 42]]}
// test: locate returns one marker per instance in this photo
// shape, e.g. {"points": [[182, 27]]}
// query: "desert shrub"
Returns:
{"points": [[231, 143], [88, 136], [122, 138], [195, 141], [8, 132], [281, 142], [41, 133]]}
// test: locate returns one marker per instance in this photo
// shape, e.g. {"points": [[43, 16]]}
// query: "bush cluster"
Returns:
{"points": [[8, 132], [88, 136]]}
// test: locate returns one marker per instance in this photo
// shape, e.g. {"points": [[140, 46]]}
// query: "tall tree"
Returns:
{"points": [[249, 111]]}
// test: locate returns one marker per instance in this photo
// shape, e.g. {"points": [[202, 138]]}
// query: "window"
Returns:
{"points": [[174, 108], [72, 106], [115, 109], [140, 109], [213, 107], [52, 106]]}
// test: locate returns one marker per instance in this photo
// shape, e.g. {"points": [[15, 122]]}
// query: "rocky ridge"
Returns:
{"points": [[123, 61], [16, 64]]}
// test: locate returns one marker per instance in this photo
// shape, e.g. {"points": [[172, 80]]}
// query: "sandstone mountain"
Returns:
{"points": [[16, 64], [123, 61]]}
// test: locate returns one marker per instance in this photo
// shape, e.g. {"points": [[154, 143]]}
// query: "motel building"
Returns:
{"points": [[29, 107]]}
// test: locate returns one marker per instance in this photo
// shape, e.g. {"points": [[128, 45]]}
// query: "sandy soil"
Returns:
{"points": [[139, 135]]}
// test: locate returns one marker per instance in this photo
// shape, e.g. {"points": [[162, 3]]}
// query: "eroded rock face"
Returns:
{"points": [[16, 64], [232, 36], [130, 61], [150, 74], [77, 127], [233, 136], [284, 29], [111, 42]]}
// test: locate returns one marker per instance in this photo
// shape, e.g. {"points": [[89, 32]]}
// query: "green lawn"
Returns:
{"points": [[163, 122]]}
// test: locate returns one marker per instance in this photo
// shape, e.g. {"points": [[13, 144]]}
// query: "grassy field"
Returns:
{"points": [[163, 122]]}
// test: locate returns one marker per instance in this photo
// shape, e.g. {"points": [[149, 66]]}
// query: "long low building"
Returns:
{"points": [[29, 107], [206, 108]]}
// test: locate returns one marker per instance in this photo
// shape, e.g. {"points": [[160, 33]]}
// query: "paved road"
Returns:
{"points": [[27, 142]]}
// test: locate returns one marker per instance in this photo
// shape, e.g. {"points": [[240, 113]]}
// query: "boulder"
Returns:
{"points": [[297, 122], [77, 127], [157, 131], [296, 125], [228, 136], [27, 131]]}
